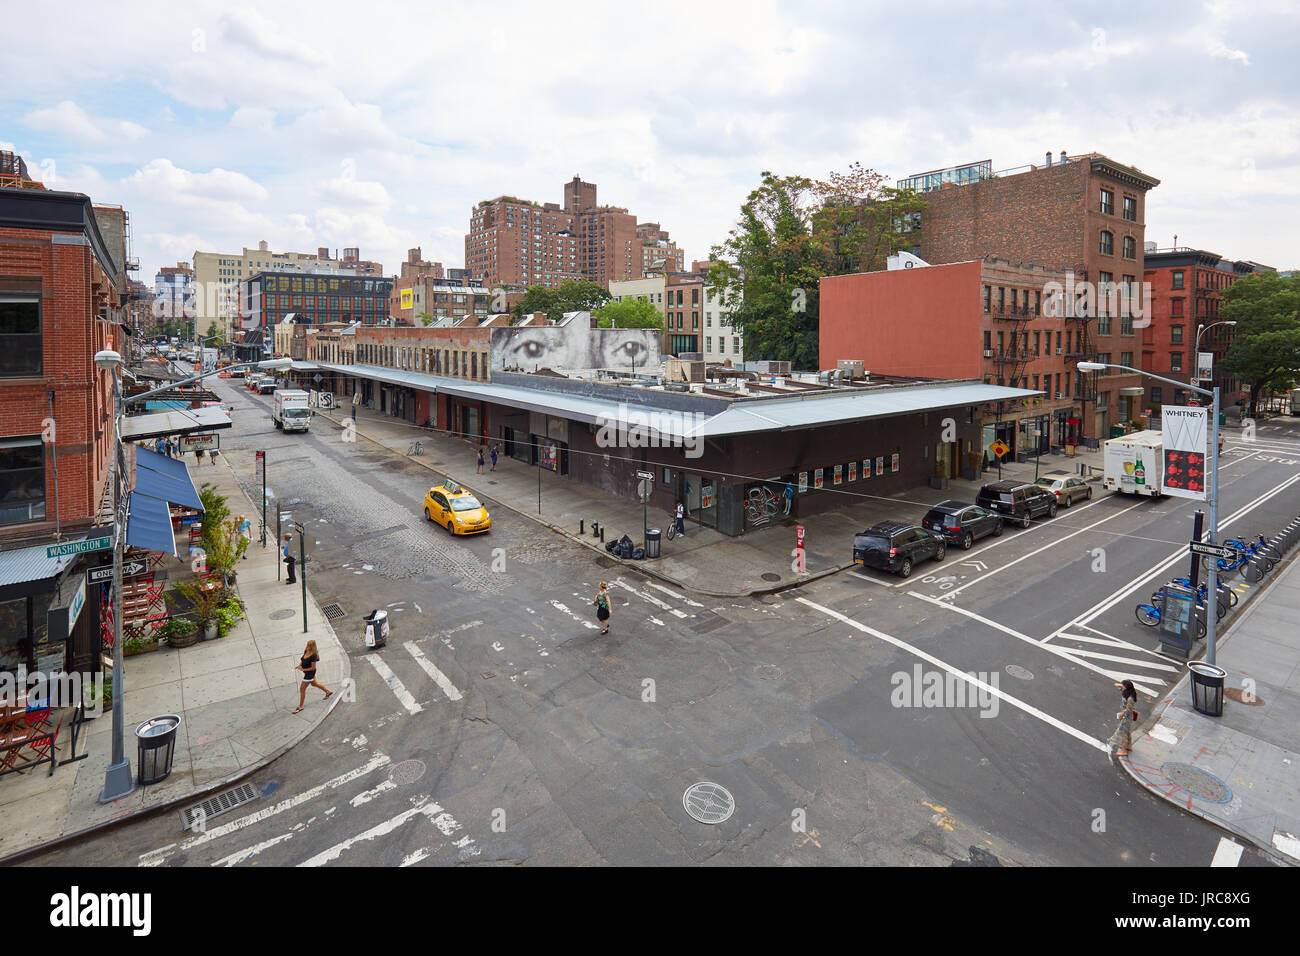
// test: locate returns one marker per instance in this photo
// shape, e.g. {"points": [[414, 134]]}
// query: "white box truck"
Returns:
{"points": [[289, 410], [1134, 463]]}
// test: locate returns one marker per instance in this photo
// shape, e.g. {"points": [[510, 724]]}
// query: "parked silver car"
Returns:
{"points": [[1067, 488]]}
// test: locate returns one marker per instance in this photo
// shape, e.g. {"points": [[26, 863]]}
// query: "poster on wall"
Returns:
{"points": [[548, 456], [880, 465], [838, 477], [1185, 432], [853, 471], [866, 468], [893, 462], [817, 478], [803, 482], [706, 494]]}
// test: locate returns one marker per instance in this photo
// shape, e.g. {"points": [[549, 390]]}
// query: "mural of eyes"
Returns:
{"points": [[629, 351], [530, 349]]}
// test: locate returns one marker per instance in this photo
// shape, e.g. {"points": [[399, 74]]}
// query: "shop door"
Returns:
{"points": [[945, 460], [469, 423]]}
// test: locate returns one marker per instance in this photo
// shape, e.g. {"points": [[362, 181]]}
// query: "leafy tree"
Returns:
{"points": [[1265, 352], [628, 314], [569, 296], [792, 232]]}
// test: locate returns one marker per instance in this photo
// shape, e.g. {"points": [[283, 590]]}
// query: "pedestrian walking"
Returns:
{"points": [[308, 667], [198, 456], [160, 447], [212, 456], [356, 400], [1122, 738], [173, 448], [602, 606], [681, 519], [495, 451], [289, 559], [479, 468], [245, 529]]}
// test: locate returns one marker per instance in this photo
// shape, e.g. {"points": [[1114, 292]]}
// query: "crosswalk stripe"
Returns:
{"points": [[396, 686], [670, 592], [1096, 655], [564, 610], [651, 599], [439, 678], [1227, 853], [1109, 642], [378, 830], [1139, 681]]}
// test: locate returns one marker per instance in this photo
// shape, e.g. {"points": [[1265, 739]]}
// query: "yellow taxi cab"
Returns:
{"points": [[456, 509]]}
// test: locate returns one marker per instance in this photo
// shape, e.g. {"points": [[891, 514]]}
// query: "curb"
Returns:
{"points": [[577, 539], [1268, 850], [213, 787]]}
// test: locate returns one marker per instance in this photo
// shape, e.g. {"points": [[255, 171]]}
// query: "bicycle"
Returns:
{"points": [[671, 531], [1149, 615], [415, 448], [1220, 606], [1224, 592]]}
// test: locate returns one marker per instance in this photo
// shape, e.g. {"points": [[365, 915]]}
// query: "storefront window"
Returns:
{"points": [[22, 480]]}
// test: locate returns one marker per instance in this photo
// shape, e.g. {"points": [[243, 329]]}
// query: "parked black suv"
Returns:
{"points": [[1017, 501], [960, 523], [896, 546]]}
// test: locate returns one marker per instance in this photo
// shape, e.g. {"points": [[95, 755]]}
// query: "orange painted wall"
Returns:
{"points": [[925, 322]]}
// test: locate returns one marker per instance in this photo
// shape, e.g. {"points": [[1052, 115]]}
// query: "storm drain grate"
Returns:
{"points": [[215, 806], [709, 802], [333, 612]]}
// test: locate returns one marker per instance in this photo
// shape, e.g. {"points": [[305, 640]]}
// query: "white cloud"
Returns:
{"points": [[251, 29], [68, 120], [256, 118], [356, 192], [168, 180]]}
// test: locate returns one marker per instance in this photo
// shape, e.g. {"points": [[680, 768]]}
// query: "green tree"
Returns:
{"points": [[792, 232], [628, 314], [570, 296], [1265, 352], [215, 336]]}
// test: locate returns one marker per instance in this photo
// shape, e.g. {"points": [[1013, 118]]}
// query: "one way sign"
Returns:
{"points": [[1219, 551], [129, 570]]}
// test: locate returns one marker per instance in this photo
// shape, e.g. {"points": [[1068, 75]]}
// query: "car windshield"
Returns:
{"points": [[466, 503], [297, 413]]}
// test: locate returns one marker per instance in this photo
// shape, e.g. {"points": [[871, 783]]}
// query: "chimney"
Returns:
{"points": [[1063, 156], [322, 252], [1049, 158]]}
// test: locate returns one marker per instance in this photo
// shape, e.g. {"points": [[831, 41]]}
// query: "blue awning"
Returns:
{"points": [[164, 478], [149, 525]]}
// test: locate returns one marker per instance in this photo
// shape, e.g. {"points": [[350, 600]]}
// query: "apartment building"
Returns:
{"points": [[695, 319], [173, 293]]}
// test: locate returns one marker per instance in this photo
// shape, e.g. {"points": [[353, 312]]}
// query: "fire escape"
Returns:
{"points": [[1014, 354], [1083, 350]]}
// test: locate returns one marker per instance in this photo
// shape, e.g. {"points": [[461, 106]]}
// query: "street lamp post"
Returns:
{"points": [[118, 781], [1212, 585]]}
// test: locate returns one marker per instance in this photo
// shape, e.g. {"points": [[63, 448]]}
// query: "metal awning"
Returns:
{"points": [[181, 421], [166, 479], [22, 565]]}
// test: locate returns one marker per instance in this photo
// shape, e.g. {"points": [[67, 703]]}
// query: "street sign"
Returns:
{"points": [[999, 447], [1218, 550], [643, 489], [129, 570], [646, 475], [78, 547]]}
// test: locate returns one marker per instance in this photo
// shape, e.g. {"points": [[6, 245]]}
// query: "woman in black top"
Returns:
{"points": [[308, 668]]}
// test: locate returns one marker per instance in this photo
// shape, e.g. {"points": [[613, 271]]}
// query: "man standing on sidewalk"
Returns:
{"points": [[356, 400], [289, 559], [495, 452], [681, 520]]}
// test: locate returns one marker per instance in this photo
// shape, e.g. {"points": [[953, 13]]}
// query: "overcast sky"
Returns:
{"points": [[219, 124]]}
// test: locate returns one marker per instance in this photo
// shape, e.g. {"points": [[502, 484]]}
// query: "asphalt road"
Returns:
{"points": [[499, 726]]}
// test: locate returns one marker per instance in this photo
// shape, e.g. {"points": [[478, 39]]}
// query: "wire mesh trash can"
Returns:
{"points": [[1207, 688], [157, 740], [652, 538], [376, 625]]}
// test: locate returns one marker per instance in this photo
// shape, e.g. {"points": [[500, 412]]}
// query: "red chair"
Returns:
{"points": [[43, 747], [38, 714]]}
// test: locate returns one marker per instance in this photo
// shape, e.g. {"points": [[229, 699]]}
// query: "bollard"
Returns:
{"points": [[595, 527], [580, 528], [602, 535]]}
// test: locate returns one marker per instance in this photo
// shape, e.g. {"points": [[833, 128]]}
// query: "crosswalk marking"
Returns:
{"points": [[439, 678], [671, 593], [396, 686], [1096, 655], [651, 599], [1227, 853], [564, 610], [428, 810]]}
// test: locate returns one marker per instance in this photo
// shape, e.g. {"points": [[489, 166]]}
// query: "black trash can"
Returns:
{"points": [[652, 538], [1207, 688], [157, 740]]}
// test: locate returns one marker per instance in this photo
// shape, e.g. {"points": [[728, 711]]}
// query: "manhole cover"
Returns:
{"points": [[770, 576], [708, 802], [767, 671], [282, 615], [333, 612], [1019, 673], [1197, 782], [408, 771], [1235, 693]]}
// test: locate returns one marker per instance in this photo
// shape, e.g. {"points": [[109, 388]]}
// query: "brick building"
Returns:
{"points": [[1081, 213], [1187, 287], [63, 284], [694, 318], [267, 298], [986, 319], [516, 242]]}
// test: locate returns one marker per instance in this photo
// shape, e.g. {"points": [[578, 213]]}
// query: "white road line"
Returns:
{"points": [[1227, 853], [365, 796], [1013, 701], [1117, 642], [380, 829], [396, 686], [1012, 632], [1050, 544], [581, 620], [1109, 642], [1098, 656], [439, 678], [411, 859], [672, 593], [156, 857], [1107, 603], [257, 848], [651, 598]]}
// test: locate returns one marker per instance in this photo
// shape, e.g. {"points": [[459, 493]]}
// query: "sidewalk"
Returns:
{"points": [[706, 561], [1240, 771], [234, 696]]}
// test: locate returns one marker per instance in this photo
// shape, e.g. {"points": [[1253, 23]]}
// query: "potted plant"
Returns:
{"points": [[179, 632], [229, 612], [225, 551], [97, 696], [140, 639]]}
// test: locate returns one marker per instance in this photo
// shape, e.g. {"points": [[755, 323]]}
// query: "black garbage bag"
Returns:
{"points": [[638, 554], [625, 547], [611, 546]]}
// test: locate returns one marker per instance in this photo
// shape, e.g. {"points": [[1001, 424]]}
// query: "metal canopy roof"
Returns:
{"points": [[32, 564], [181, 421], [744, 416]]}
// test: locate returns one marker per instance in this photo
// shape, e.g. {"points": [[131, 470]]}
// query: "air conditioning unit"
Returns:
{"points": [[851, 369], [988, 353], [1060, 351], [773, 368], [1060, 395]]}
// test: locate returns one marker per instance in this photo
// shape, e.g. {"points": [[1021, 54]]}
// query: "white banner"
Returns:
{"points": [[1185, 436], [1204, 366]]}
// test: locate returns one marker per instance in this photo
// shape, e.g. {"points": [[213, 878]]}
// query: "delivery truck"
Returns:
{"points": [[289, 410], [1134, 463]]}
